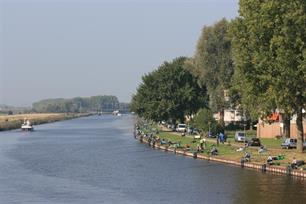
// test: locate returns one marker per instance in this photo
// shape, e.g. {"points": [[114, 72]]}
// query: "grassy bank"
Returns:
{"points": [[9, 122], [229, 150]]}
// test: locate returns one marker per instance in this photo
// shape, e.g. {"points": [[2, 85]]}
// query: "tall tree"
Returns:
{"points": [[269, 52], [169, 93], [213, 64]]}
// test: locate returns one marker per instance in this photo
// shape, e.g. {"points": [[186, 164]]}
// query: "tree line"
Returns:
{"points": [[80, 104], [255, 63]]}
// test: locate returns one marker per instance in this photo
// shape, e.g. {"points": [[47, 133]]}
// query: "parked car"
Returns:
{"points": [[239, 136], [192, 131], [289, 143], [172, 127], [254, 142], [211, 134], [181, 128]]}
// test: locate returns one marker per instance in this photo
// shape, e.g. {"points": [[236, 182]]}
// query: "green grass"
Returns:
{"points": [[228, 151], [231, 133], [222, 148], [267, 142], [271, 142]]}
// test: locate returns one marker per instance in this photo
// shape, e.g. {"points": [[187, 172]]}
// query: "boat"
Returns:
{"points": [[27, 126], [117, 113]]}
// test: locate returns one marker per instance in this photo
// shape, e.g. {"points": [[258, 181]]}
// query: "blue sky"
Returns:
{"points": [[68, 48]]}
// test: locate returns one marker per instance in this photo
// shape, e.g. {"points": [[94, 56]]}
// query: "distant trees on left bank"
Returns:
{"points": [[80, 104]]}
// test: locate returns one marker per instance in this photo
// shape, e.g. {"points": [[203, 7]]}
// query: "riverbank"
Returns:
{"points": [[227, 153], [9, 122]]}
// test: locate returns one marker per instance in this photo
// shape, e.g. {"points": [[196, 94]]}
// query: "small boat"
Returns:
{"points": [[27, 126], [117, 113]]}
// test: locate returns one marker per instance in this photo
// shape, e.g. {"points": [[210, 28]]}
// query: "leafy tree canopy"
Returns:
{"points": [[269, 54], [213, 64], [169, 93]]}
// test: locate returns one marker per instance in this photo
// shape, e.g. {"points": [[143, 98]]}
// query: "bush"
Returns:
{"points": [[204, 121]]}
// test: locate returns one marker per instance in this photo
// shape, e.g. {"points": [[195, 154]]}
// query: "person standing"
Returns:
{"points": [[221, 137], [218, 139]]}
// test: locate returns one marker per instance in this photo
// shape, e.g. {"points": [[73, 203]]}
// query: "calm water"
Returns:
{"points": [[96, 160]]}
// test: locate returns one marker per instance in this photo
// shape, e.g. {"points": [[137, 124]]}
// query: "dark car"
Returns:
{"points": [[254, 142], [211, 135]]}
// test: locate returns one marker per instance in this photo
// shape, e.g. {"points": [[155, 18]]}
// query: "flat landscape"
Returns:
{"points": [[8, 122]]}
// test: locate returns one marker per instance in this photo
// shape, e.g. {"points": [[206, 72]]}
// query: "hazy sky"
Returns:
{"points": [[68, 48]]}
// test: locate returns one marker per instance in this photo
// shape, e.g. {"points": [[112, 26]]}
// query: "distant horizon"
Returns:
{"points": [[65, 48], [59, 98]]}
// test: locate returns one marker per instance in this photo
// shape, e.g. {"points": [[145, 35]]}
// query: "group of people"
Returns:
{"points": [[295, 164], [153, 139], [202, 145]]}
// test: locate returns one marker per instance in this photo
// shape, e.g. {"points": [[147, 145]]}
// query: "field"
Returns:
{"points": [[8, 122]]}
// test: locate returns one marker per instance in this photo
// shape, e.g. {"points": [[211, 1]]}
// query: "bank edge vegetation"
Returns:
{"points": [[258, 58]]}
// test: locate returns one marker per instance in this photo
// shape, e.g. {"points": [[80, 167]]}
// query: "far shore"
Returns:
{"points": [[10, 122]]}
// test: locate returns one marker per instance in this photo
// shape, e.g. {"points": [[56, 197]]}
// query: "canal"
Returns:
{"points": [[96, 160]]}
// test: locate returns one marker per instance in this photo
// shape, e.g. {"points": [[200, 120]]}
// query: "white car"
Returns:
{"points": [[239, 136], [181, 128]]}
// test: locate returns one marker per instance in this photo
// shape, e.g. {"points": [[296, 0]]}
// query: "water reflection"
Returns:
{"points": [[269, 188]]}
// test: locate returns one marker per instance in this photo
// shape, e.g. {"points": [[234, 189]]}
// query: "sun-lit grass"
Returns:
{"points": [[228, 151], [271, 142], [224, 149], [32, 116], [249, 133], [8, 122]]}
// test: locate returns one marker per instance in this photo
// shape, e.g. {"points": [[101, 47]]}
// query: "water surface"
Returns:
{"points": [[96, 160]]}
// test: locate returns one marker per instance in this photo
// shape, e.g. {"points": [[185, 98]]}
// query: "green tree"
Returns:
{"points": [[204, 121], [169, 93], [269, 52], [213, 64]]}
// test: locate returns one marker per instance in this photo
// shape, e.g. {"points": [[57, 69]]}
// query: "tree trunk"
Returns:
{"points": [[221, 122], [300, 132], [251, 124], [286, 128], [173, 121]]}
